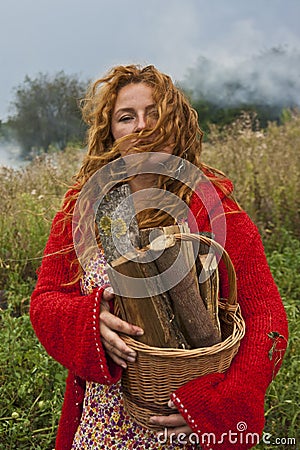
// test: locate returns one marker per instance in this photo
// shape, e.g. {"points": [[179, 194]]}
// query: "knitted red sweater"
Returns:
{"points": [[218, 406]]}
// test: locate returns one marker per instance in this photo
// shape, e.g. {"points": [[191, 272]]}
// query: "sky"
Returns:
{"points": [[181, 37], [88, 37]]}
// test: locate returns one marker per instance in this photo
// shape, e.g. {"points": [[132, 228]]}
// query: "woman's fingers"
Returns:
{"points": [[110, 326], [108, 294], [126, 352], [173, 421], [114, 346], [118, 356], [171, 405], [115, 323], [117, 360], [175, 424], [113, 342]]}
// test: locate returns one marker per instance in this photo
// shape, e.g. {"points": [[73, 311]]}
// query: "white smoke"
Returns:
{"points": [[10, 155], [270, 78]]}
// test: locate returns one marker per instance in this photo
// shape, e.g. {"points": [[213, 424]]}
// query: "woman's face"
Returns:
{"points": [[134, 110]]}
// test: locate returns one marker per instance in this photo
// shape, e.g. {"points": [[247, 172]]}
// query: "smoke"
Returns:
{"points": [[271, 78], [10, 155]]}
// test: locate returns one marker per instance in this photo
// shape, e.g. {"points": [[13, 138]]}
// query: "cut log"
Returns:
{"points": [[209, 287], [150, 311], [190, 312]]}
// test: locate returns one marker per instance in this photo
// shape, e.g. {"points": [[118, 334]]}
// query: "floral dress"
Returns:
{"points": [[104, 422]]}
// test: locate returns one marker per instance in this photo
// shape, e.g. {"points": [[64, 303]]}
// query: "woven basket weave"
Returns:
{"points": [[157, 372]]}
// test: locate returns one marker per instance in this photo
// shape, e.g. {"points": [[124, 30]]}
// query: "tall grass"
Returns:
{"points": [[28, 201], [31, 383], [264, 166], [283, 397]]}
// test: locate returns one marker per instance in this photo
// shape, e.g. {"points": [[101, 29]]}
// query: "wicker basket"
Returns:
{"points": [[157, 372]]}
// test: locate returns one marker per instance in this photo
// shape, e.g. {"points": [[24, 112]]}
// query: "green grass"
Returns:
{"points": [[31, 383], [31, 387], [283, 396]]}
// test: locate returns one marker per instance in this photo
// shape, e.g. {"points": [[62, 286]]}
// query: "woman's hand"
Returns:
{"points": [[110, 326], [174, 423]]}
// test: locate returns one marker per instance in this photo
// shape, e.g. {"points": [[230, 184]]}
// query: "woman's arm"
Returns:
{"points": [[77, 330], [66, 322]]}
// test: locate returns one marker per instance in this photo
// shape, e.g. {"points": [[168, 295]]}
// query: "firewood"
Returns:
{"points": [[177, 318], [152, 312], [209, 287], [189, 310]]}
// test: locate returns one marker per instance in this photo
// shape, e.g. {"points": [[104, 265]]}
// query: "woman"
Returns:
{"points": [[138, 110]]}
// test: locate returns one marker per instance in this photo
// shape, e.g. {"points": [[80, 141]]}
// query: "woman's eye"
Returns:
{"points": [[153, 114], [125, 118]]}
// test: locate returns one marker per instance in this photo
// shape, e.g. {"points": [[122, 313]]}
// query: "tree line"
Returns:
{"points": [[47, 113]]}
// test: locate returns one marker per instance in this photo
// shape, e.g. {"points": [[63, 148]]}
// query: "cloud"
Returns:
{"points": [[175, 36], [87, 38], [269, 78]]}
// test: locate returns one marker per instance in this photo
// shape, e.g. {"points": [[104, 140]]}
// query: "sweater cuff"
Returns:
{"points": [[111, 371], [197, 396], [221, 414]]}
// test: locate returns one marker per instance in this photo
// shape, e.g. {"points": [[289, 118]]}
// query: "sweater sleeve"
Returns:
{"points": [[66, 322], [225, 407]]}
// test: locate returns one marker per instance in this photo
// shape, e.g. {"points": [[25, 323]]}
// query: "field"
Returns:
{"points": [[265, 167]]}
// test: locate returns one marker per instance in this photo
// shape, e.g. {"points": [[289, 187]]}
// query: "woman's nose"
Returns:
{"points": [[141, 123]]}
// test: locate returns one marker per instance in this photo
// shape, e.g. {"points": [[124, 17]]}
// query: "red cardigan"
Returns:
{"points": [[215, 406]]}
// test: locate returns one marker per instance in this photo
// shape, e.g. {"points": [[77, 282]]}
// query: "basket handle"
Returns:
{"points": [[232, 295]]}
